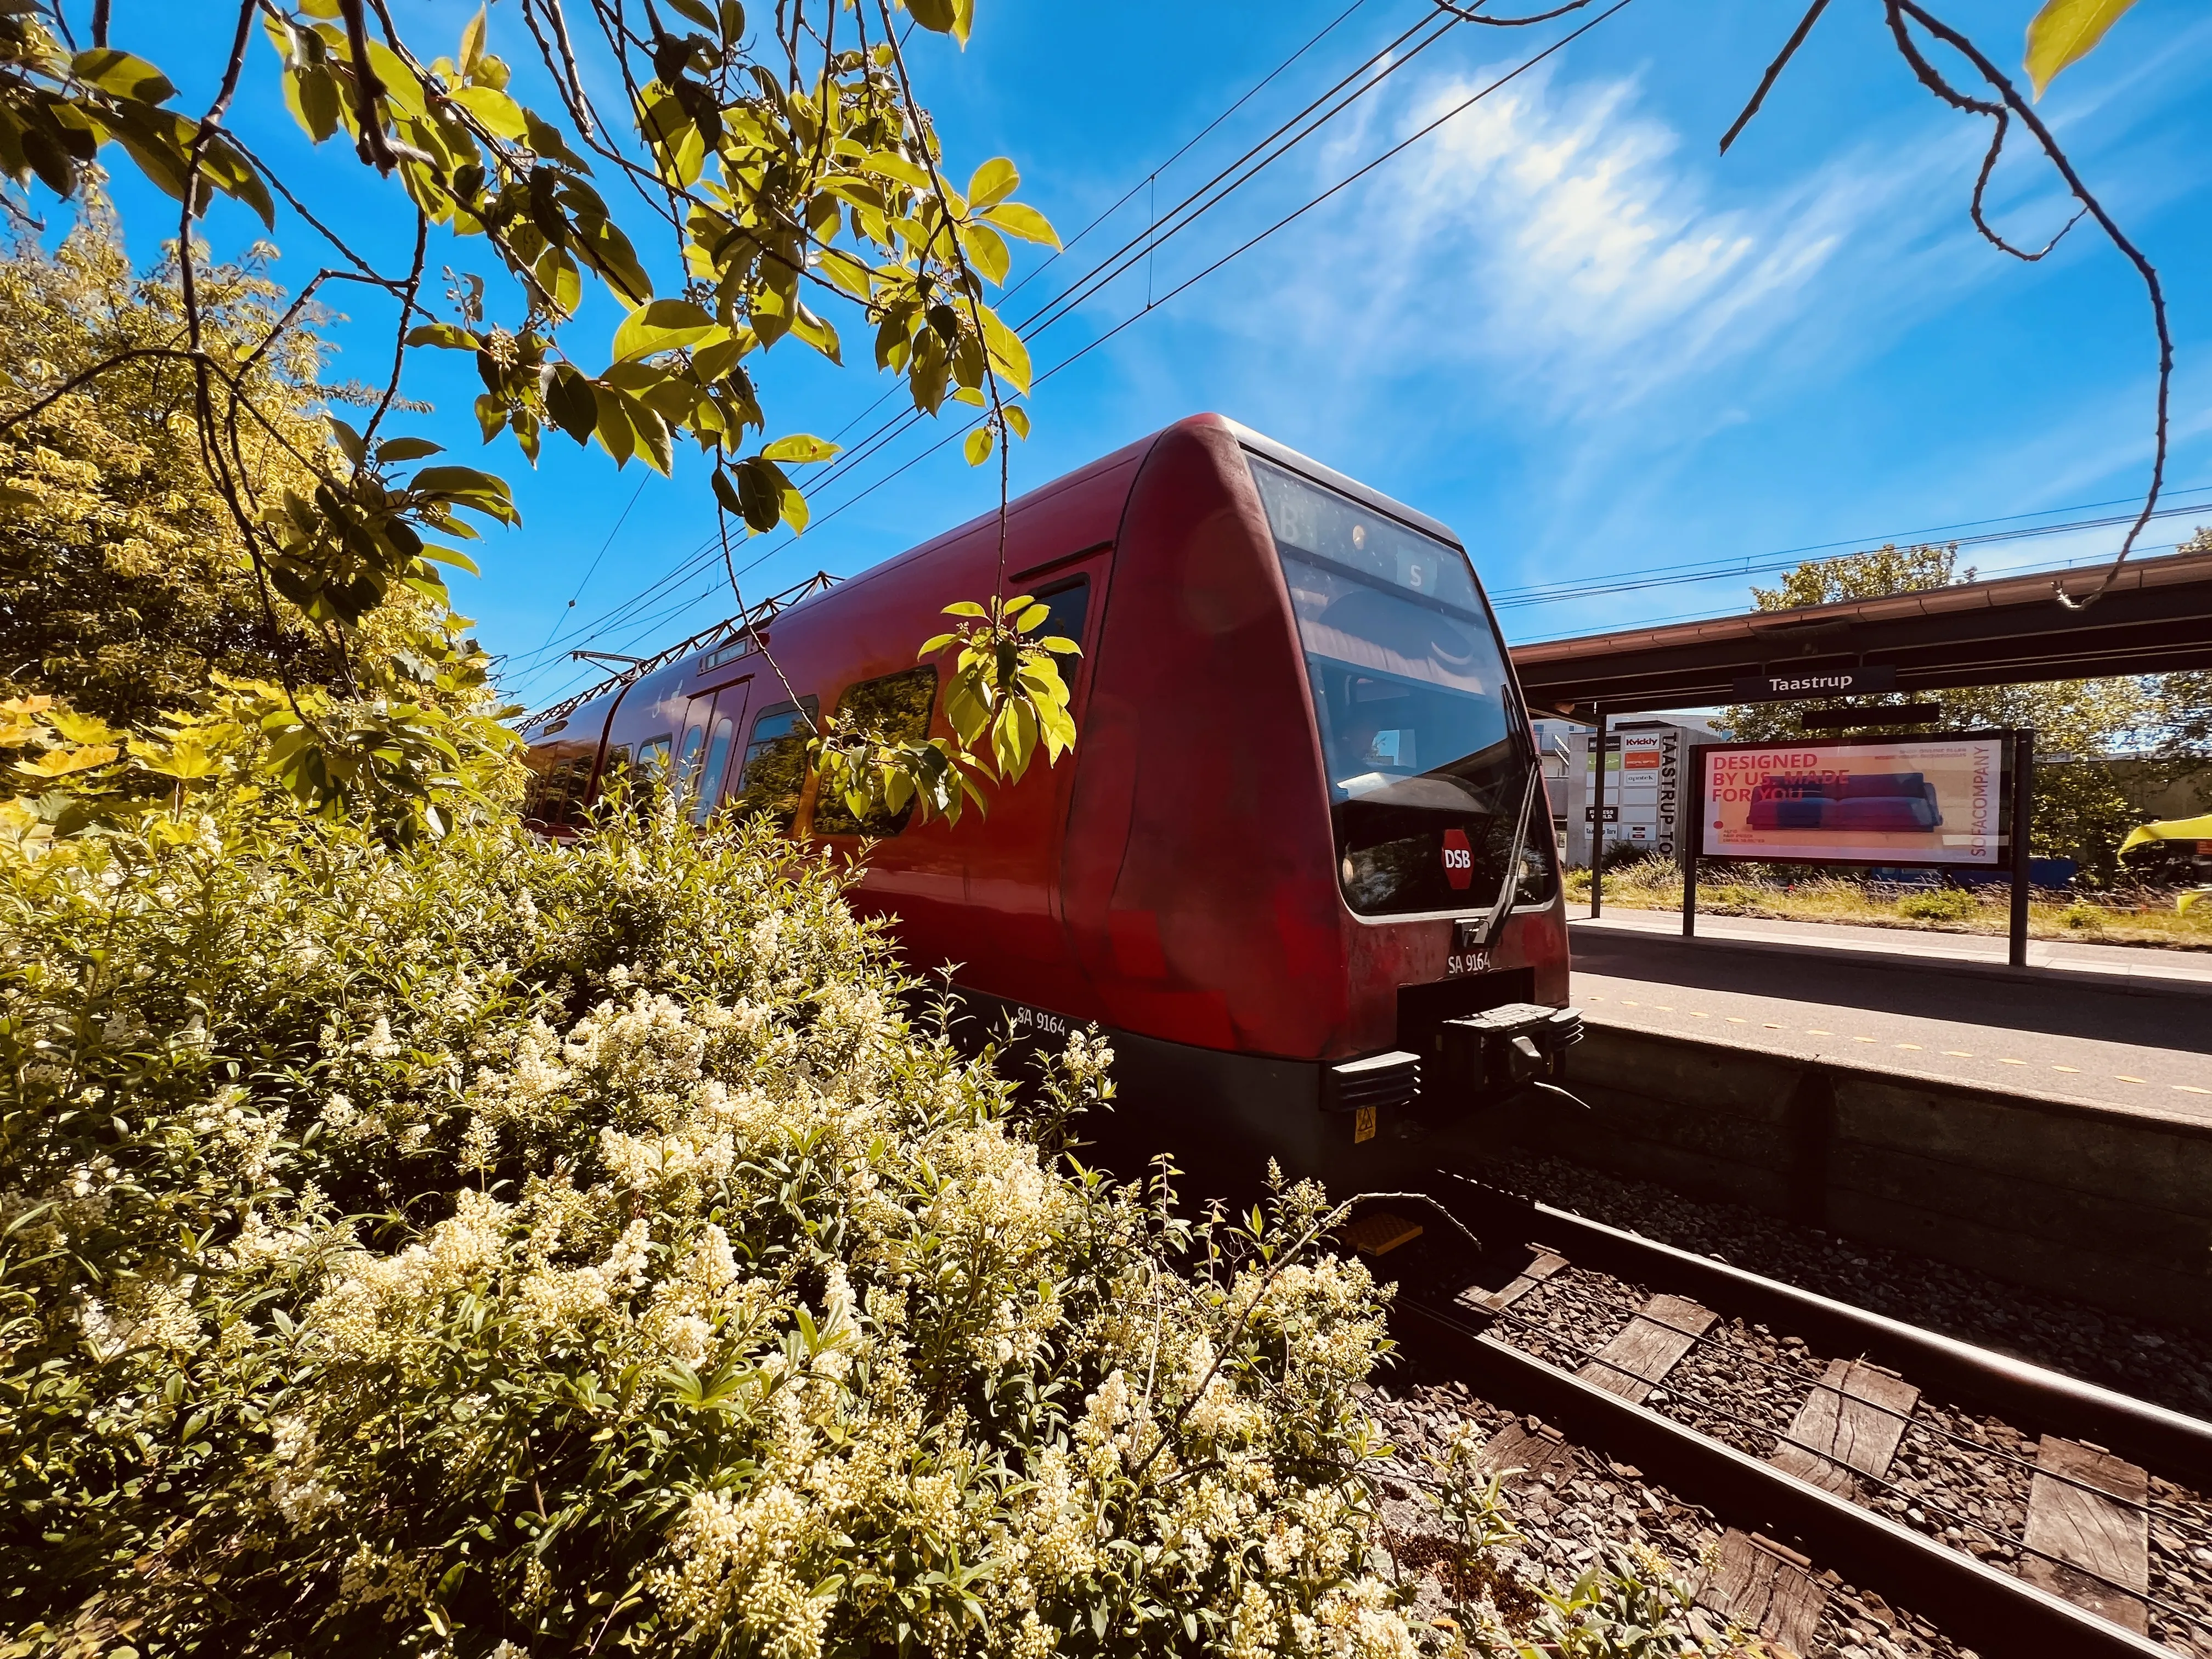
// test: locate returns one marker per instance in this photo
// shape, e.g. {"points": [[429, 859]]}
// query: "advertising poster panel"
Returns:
{"points": [[1934, 800]]}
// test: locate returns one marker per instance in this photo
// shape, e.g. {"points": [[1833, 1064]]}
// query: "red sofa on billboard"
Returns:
{"points": [[1878, 802]]}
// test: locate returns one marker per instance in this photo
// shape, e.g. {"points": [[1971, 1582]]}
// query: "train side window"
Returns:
{"points": [[555, 796], [1538, 879], [687, 764], [775, 762], [537, 794], [613, 773], [710, 778], [651, 770], [896, 707], [1070, 605]]}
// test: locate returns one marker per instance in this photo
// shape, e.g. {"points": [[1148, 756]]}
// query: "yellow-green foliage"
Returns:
{"points": [[1657, 883], [123, 581], [1940, 904], [492, 1246]]}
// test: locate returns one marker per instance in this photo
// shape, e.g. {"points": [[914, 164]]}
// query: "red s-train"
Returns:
{"points": [[1299, 866]]}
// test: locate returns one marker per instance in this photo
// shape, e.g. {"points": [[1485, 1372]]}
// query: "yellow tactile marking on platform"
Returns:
{"points": [[1821, 1031]]}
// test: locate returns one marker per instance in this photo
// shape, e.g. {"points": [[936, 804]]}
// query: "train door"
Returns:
{"points": [[711, 723], [1012, 871]]}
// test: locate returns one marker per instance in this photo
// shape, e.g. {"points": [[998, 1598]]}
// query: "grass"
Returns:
{"points": [[2114, 919]]}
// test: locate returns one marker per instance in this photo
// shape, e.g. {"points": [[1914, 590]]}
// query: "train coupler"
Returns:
{"points": [[1502, 1050]]}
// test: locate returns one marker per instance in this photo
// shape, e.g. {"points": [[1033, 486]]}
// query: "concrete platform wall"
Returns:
{"points": [[2111, 1207]]}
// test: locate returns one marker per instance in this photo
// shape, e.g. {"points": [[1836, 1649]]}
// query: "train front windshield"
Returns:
{"points": [[1426, 774]]}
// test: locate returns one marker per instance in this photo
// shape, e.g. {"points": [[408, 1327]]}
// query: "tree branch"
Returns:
{"points": [[1469, 15], [376, 146], [1774, 72], [407, 309], [1898, 10]]}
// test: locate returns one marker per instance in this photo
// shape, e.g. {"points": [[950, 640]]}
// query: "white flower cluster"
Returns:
{"points": [[696, 1297]]}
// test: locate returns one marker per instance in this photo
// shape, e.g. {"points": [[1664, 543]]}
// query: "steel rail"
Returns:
{"points": [[1978, 1606], [2172, 1612], [2173, 1444]]}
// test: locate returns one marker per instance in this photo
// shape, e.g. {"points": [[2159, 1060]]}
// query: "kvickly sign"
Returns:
{"points": [[1816, 682]]}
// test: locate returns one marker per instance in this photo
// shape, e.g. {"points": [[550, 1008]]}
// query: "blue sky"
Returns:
{"points": [[1561, 322]]}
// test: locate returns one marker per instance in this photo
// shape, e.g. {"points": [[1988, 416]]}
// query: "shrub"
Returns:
{"points": [[501, 1247]]}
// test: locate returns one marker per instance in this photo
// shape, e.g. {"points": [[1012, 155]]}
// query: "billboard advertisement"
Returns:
{"points": [[1937, 800]]}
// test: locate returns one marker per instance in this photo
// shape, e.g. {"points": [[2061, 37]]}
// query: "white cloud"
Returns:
{"points": [[1556, 234]]}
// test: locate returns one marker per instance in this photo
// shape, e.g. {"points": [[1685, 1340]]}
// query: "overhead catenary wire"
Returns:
{"points": [[1630, 582], [1434, 26], [1523, 68], [591, 570]]}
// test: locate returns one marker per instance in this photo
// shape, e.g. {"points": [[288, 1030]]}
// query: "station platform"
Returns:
{"points": [[2102, 1025]]}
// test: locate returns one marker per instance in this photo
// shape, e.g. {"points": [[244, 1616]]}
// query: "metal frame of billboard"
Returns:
{"points": [[2001, 856], [2015, 816]]}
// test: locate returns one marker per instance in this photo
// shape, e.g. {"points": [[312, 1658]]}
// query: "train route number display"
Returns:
{"points": [[1932, 800]]}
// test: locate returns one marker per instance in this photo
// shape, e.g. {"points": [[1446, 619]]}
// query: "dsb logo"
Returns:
{"points": [[1459, 858]]}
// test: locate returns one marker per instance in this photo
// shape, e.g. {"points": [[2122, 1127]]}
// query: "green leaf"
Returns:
{"points": [[312, 94], [1006, 349], [987, 251], [616, 434], [402, 87], [761, 484], [727, 494], [817, 332], [452, 556], [472, 43], [979, 445], [350, 441], [226, 166], [662, 326], [124, 75], [610, 254], [448, 335], [889, 164], [1019, 219], [406, 449], [570, 401], [991, 184], [466, 486], [52, 163], [848, 273], [679, 151], [545, 138], [500, 115], [655, 447], [2065, 32], [800, 447], [1017, 418]]}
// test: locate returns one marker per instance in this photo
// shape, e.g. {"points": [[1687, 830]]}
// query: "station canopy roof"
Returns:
{"points": [[2156, 617]]}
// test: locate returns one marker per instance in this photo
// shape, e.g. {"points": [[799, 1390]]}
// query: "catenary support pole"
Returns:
{"points": [[2023, 810], [1597, 811]]}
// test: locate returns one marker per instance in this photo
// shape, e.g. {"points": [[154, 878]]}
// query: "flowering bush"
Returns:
{"points": [[498, 1247]]}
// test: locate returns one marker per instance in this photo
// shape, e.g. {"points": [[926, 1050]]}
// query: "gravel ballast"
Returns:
{"points": [[1958, 1475]]}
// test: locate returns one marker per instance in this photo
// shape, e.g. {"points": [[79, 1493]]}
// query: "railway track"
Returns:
{"points": [[2022, 1510]]}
